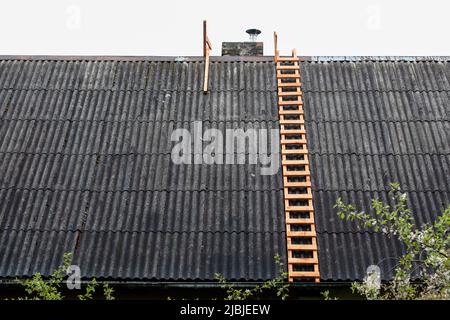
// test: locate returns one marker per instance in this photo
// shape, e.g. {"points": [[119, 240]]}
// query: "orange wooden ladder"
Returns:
{"points": [[299, 211]]}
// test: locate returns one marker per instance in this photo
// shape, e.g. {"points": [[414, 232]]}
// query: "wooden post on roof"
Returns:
{"points": [[275, 45], [204, 38], [206, 49]]}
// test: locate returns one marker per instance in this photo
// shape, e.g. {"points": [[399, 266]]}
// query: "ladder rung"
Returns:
{"points": [[289, 84], [298, 184], [299, 101], [287, 122], [296, 173], [283, 112], [294, 67], [298, 196], [294, 162], [294, 151], [305, 247], [291, 109], [292, 131], [289, 93], [299, 221], [299, 208], [304, 274], [301, 234], [288, 76], [302, 261], [293, 141], [288, 59]]}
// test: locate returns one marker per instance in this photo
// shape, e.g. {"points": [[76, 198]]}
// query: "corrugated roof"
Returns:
{"points": [[85, 148], [85, 168], [369, 123]]}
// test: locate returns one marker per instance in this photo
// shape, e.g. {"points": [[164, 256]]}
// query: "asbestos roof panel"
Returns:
{"points": [[85, 149], [85, 163], [371, 122]]}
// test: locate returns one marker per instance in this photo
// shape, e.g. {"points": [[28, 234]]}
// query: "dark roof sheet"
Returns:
{"points": [[84, 162], [369, 123], [85, 168]]}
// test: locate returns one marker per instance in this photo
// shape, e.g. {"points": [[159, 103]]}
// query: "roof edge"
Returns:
{"points": [[379, 58], [138, 58], [225, 58]]}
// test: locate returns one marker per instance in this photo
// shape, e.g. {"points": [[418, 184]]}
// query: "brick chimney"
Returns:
{"points": [[251, 48], [242, 49]]}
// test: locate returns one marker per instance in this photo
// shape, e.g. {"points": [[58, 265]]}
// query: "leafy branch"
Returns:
{"points": [[427, 247], [278, 283], [38, 288]]}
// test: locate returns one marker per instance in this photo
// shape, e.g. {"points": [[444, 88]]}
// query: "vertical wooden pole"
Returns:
{"points": [[204, 38], [205, 79], [206, 49], [275, 45]]}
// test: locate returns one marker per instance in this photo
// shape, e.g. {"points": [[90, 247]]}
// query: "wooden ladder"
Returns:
{"points": [[302, 261]]}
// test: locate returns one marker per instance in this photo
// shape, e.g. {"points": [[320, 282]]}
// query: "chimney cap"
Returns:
{"points": [[253, 32]]}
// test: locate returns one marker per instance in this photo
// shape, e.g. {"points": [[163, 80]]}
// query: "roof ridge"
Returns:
{"points": [[321, 59], [120, 58], [181, 59]]}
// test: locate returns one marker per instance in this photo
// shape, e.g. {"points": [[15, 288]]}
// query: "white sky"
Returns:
{"points": [[174, 27]]}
